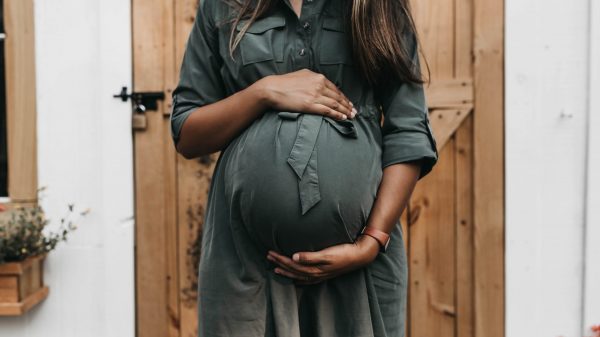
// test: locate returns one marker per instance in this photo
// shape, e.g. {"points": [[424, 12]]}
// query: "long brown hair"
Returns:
{"points": [[379, 36]]}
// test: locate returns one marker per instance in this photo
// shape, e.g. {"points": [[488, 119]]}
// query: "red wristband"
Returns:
{"points": [[382, 237]]}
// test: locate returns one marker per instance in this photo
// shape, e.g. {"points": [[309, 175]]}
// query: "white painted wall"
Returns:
{"points": [[592, 234], [552, 147], [83, 56], [549, 206]]}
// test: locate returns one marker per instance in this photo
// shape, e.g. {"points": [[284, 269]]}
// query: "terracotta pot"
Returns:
{"points": [[22, 285]]}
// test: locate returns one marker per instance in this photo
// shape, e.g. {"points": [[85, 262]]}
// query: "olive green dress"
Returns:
{"points": [[294, 181]]}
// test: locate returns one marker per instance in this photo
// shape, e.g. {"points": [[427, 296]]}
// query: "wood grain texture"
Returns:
{"points": [[20, 100], [462, 39], [463, 28], [404, 222], [194, 177], [21, 285], [439, 224], [9, 288], [465, 313], [20, 308], [157, 285], [445, 122], [172, 224], [432, 251], [193, 183], [435, 25], [488, 167], [450, 93]]}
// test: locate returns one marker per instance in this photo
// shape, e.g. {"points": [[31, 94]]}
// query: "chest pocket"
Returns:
{"points": [[263, 41], [335, 45]]}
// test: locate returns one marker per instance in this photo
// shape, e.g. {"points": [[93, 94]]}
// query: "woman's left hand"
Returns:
{"points": [[315, 267]]}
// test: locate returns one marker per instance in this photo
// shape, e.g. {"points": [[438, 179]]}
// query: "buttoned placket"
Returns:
{"points": [[302, 35], [303, 156]]}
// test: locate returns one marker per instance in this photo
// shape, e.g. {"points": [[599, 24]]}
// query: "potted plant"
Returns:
{"points": [[25, 239]]}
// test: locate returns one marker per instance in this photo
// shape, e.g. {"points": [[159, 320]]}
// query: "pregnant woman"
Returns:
{"points": [[318, 109]]}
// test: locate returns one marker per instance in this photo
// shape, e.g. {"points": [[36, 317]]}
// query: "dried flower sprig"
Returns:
{"points": [[22, 235]]}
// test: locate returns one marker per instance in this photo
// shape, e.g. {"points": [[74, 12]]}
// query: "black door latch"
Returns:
{"points": [[142, 101]]}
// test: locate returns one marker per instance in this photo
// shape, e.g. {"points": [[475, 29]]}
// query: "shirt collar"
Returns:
{"points": [[310, 7]]}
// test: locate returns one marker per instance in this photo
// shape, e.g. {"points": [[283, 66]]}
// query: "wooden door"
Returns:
{"points": [[454, 223], [170, 191]]}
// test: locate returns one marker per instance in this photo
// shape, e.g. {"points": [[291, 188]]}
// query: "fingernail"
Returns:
{"points": [[351, 104], [270, 258], [354, 111], [296, 257], [344, 116]]}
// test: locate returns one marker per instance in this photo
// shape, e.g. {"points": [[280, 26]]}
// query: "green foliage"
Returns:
{"points": [[23, 234]]}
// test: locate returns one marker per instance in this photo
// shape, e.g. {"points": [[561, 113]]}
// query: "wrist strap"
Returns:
{"points": [[382, 237]]}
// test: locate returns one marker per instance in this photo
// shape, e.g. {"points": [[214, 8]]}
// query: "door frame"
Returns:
{"points": [[488, 168]]}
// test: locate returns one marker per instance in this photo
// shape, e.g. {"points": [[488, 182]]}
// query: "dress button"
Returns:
{"points": [[306, 25], [302, 52]]}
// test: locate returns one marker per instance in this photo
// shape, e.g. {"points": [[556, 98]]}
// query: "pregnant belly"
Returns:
{"points": [[290, 198]]}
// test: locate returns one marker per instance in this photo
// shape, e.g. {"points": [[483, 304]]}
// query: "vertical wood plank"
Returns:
{"points": [[193, 182], [194, 178], [463, 26], [464, 230], [9, 290], [432, 251], [20, 100], [435, 25], [157, 286], [404, 222], [171, 226], [489, 168]]}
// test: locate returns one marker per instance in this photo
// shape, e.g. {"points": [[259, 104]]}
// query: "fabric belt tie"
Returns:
{"points": [[303, 156]]}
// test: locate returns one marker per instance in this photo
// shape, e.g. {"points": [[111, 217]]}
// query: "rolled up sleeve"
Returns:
{"points": [[406, 130], [200, 82]]}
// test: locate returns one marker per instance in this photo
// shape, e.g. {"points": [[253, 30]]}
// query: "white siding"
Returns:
{"points": [[552, 147], [83, 56], [592, 254], [547, 92]]}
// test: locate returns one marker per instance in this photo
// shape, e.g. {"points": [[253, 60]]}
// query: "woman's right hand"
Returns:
{"points": [[308, 92]]}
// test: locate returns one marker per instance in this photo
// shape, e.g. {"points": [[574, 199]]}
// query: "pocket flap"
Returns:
{"points": [[334, 23], [262, 25]]}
